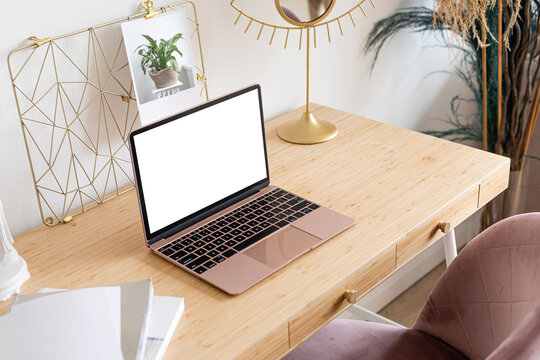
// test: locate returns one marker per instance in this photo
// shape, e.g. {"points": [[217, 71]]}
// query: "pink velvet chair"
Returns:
{"points": [[485, 306]]}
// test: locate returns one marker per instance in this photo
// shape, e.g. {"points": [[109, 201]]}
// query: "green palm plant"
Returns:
{"points": [[159, 56]]}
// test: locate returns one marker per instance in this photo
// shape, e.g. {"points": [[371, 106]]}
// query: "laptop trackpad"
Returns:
{"points": [[282, 247]]}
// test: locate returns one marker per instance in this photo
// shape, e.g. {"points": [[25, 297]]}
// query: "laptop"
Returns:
{"points": [[205, 197]]}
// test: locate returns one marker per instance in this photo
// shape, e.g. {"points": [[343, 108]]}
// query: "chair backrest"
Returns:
{"points": [[491, 286]]}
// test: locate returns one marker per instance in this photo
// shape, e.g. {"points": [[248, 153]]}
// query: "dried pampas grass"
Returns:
{"points": [[464, 16]]}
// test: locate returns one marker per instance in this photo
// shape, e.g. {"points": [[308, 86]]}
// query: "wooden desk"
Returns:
{"points": [[397, 184]]}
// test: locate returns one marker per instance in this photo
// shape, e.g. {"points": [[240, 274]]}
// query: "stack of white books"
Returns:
{"points": [[114, 322]]}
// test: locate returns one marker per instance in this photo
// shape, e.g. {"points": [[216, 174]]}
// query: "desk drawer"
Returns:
{"points": [[428, 233], [333, 302]]}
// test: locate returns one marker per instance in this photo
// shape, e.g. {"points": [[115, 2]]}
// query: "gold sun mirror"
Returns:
{"points": [[307, 17]]}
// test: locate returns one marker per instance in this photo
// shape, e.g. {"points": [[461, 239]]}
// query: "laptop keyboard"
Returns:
{"points": [[214, 242]]}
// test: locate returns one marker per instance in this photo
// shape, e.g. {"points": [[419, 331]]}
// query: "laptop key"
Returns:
{"points": [[282, 223], [217, 234], [209, 246], [281, 216], [213, 253], [239, 238], [256, 229], [222, 223], [251, 216], [289, 196], [281, 200], [200, 252], [260, 219], [221, 241], [252, 240], [293, 201], [196, 237], [251, 223], [210, 264], [229, 253], [213, 228], [242, 221], [199, 244], [313, 206], [222, 248], [187, 259], [265, 224], [280, 193], [272, 220], [306, 210], [300, 205], [248, 233], [225, 237], [231, 243], [200, 270], [258, 212], [168, 252], [187, 242], [234, 225], [177, 247], [291, 218], [288, 212], [236, 232], [299, 214], [219, 259], [194, 264], [178, 255], [205, 239], [190, 248], [226, 229], [230, 219]]}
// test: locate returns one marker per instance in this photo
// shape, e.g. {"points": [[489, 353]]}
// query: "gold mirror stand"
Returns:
{"points": [[307, 129]]}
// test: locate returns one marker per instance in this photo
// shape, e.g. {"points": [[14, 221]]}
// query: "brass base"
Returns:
{"points": [[307, 130]]}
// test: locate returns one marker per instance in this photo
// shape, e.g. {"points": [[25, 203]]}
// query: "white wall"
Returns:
{"points": [[398, 92]]}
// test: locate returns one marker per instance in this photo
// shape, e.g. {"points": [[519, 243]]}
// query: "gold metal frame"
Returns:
{"points": [[61, 135]]}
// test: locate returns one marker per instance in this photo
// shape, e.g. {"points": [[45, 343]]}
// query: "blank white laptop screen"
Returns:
{"points": [[192, 162]]}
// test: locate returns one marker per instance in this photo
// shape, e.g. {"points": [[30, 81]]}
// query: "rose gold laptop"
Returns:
{"points": [[206, 200]]}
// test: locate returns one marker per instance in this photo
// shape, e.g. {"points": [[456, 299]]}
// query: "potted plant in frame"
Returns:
{"points": [[160, 60]]}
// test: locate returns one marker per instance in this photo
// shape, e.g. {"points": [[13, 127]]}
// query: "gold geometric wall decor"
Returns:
{"points": [[75, 100]]}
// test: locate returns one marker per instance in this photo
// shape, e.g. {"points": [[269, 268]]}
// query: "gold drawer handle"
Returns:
{"points": [[444, 227], [351, 296]]}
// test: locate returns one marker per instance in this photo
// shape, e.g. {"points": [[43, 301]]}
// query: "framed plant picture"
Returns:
{"points": [[162, 65]]}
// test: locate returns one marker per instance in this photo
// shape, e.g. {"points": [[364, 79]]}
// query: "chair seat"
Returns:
{"points": [[360, 340]]}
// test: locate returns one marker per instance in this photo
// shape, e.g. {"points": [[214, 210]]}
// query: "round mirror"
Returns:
{"points": [[304, 12]]}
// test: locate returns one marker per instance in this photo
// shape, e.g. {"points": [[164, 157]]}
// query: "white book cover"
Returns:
{"points": [[132, 316], [67, 325]]}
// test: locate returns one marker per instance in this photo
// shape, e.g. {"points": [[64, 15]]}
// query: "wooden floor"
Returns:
{"points": [[406, 307]]}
